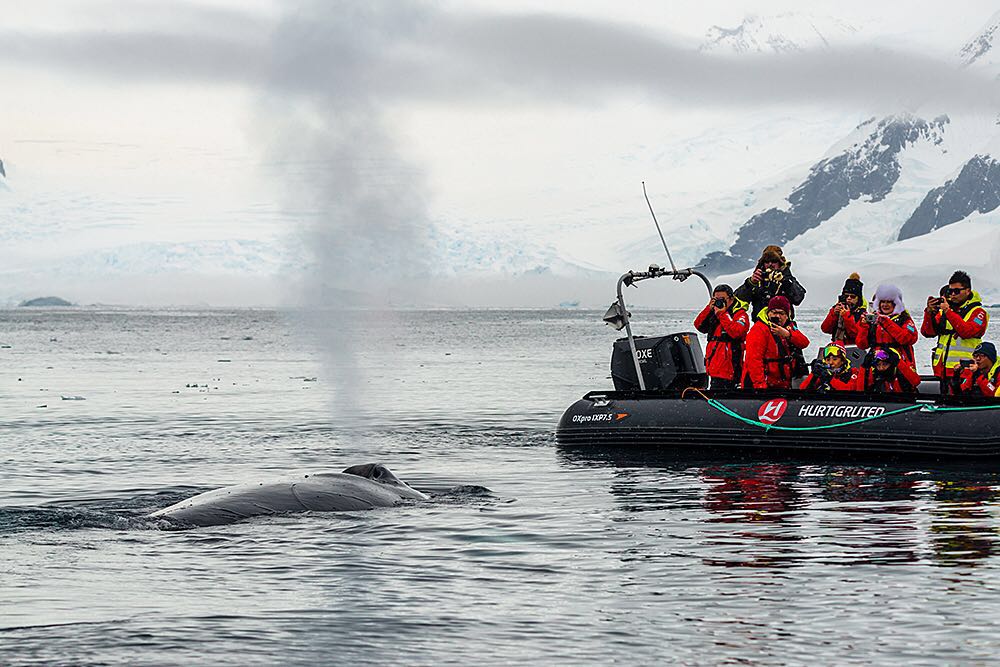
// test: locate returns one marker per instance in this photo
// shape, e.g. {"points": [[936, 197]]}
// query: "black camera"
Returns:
{"points": [[871, 318], [719, 303], [842, 299]]}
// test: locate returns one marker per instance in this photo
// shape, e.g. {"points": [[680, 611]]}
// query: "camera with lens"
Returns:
{"points": [[842, 299], [871, 319], [719, 303]]}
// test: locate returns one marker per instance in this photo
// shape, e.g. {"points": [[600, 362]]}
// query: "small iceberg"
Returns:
{"points": [[44, 301]]}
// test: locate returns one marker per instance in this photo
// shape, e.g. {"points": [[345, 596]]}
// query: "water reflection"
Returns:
{"points": [[963, 529], [784, 512]]}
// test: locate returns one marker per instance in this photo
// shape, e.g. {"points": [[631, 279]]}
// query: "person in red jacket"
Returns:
{"points": [[890, 326], [887, 374], [769, 362], [726, 322], [845, 315], [982, 376], [831, 373], [959, 322]]}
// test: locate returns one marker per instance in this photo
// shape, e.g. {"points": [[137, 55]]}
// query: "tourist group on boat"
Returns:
{"points": [[755, 344]]}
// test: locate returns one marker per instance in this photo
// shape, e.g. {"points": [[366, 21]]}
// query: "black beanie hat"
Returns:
{"points": [[853, 285]]}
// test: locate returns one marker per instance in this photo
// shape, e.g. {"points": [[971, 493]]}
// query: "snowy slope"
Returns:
{"points": [[780, 33], [982, 49], [894, 178]]}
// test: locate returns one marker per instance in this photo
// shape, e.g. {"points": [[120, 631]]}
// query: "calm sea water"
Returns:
{"points": [[526, 553]]}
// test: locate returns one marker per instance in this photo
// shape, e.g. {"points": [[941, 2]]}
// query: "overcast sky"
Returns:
{"points": [[204, 120]]}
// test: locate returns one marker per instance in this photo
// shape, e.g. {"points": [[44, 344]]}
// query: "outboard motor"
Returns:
{"points": [[672, 362]]}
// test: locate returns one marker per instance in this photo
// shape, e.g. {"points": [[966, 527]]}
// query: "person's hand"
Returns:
{"points": [[932, 303], [782, 332], [839, 310], [945, 306], [757, 276]]}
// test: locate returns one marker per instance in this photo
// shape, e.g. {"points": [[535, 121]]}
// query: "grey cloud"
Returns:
{"points": [[402, 51]]}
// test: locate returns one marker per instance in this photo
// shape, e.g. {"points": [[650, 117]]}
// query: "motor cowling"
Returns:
{"points": [[669, 363]]}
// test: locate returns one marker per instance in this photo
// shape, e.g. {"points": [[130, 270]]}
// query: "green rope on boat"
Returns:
{"points": [[935, 408], [920, 406]]}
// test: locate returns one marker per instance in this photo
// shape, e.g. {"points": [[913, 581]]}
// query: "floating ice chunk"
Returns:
{"points": [[73, 398]]}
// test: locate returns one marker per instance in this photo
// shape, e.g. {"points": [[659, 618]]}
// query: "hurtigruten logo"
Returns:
{"points": [[771, 412], [848, 411]]}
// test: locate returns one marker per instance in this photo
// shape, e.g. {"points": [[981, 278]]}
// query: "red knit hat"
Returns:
{"points": [[779, 302]]}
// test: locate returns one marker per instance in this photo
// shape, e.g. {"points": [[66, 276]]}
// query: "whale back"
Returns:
{"points": [[322, 492], [379, 473]]}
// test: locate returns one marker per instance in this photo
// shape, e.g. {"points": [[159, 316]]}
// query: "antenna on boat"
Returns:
{"points": [[672, 267]]}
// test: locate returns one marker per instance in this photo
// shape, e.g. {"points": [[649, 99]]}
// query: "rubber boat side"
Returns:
{"points": [[831, 422]]}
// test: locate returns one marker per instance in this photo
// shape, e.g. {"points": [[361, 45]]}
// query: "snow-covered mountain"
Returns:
{"points": [[981, 50], [893, 180], [781, 33]]}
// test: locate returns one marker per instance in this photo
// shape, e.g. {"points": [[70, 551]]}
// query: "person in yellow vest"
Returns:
{"points": [[980, 377], [959, 321]]}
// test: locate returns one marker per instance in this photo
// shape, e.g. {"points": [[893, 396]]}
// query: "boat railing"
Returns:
{"points": [[618, 315]]}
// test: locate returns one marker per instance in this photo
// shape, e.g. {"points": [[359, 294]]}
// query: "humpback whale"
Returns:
{"points": [[359, 487]]}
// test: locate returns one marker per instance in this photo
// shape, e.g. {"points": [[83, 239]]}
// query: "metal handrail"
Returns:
{"points": [[633, 277]]}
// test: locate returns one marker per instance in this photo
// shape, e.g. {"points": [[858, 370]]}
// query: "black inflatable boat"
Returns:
{"points": [[661, 400]]}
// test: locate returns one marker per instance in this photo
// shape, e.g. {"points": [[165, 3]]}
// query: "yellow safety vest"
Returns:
{"points": [[952, 350]]}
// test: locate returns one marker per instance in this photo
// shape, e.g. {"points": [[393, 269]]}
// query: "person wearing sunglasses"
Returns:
{"points": [[831, 372], [845, 315], [887, 374], [726, 322], [771, 345], [980, 377], [959, 322], [889, 326]]}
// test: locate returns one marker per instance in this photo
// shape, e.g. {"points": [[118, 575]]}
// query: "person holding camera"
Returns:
{"points": [[980, 376], [959, 321], [889, 326], [832, 372], [771, 348], [888, 373], [772, 277], [845, 315], [726, 322]]}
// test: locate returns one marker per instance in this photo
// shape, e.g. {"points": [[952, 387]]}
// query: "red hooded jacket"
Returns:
{"points": [[726, 332], [768, 363], [896, 332]]}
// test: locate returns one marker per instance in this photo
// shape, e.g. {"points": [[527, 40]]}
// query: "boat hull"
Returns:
{"points": [[827, 423]]}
